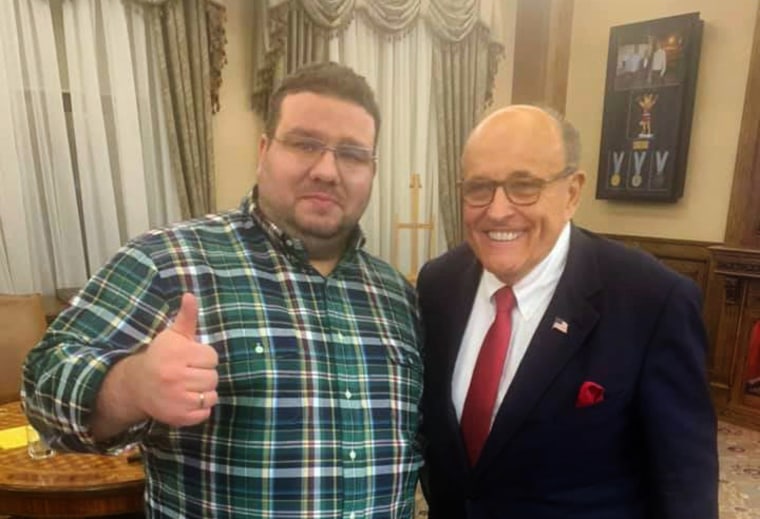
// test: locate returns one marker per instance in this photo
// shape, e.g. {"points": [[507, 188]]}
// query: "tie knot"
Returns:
{"points": [[505, 299]]}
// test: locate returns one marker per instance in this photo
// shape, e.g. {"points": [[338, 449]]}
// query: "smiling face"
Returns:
{"points": [[315, 201], [518, 141]]}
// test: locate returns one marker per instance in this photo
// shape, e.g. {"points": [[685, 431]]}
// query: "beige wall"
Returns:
{"points": [[236, 127], [724, 62]]}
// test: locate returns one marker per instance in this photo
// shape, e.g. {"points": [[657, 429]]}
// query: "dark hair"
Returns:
{"points": [[330, 79], [571, 138]]}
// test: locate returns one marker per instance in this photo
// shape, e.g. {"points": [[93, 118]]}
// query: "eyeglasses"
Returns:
{"points": [[520, 189], [349, 159]]}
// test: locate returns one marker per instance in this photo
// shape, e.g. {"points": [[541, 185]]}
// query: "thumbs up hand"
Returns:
{"points": [[177, 378]]}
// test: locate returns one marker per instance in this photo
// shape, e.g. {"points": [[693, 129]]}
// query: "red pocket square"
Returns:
{"points": [[591, 393]]}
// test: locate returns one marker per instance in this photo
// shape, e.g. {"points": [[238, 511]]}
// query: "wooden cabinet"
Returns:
{"points": [[735, 356], [734, 281], [730, 281]]}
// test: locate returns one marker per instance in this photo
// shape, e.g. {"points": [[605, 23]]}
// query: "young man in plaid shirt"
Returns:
{"points": [[265, 363]]}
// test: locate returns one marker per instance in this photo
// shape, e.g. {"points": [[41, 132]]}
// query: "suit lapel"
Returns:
{"points": [[464, 296], [549, 349], [462, 305]]}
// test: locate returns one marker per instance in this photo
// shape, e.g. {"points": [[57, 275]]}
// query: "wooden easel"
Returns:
{"points": [[415, 226]]}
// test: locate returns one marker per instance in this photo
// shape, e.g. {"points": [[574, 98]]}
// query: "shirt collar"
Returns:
{"points": [[279, 237], [529, 290]]}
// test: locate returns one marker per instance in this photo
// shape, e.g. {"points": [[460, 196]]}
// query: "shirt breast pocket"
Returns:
{"points": [[394, 380], [253, 366]]}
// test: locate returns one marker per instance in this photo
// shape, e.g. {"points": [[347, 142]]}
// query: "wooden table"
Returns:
{"points": [[66, 485]]}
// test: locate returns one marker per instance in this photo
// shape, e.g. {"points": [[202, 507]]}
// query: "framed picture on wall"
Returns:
{"points": [[648, 103]]}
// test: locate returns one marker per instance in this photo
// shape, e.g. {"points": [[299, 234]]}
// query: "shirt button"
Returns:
{"points": [[259, 348], [352, 455], [348, 394], [340, 336], [352, 515]]}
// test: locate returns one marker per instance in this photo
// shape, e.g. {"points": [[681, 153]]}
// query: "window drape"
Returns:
{"points": [[86, 152]]}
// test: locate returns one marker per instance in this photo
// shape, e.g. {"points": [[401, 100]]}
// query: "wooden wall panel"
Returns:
{"points": [[542, 52], [690, 258], [737, 292], [743, 224]]}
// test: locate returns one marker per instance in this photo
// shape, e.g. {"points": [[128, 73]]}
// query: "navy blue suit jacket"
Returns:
{"points": [[647, 451]]}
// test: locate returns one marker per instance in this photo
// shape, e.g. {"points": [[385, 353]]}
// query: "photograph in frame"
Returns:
{"points": [[648, 104]]}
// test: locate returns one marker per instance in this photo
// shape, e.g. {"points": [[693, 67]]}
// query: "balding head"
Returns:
{"points": [[541, 123]]}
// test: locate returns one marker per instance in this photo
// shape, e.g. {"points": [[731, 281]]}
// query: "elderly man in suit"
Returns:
{"points": [[565, 374]]}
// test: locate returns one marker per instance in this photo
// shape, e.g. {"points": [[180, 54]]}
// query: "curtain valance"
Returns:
{"points": [[293, 33], [451, 20]]}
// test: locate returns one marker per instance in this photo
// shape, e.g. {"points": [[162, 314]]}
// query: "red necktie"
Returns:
{"points": [[484, 384]]}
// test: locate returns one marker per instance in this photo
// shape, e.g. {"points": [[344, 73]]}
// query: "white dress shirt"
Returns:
{"points": [[533, 294]]}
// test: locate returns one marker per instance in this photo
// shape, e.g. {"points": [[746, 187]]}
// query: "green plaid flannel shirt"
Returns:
{"points": [[320, 378]]}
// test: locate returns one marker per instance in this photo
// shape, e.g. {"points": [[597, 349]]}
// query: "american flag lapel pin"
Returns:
{"points": [[560, 325]]}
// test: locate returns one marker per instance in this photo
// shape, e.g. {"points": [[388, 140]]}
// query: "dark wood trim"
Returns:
{"points": [[668, 247], [743, 223], [734, 261], [692, 259], [688, 257], [542, 52]]}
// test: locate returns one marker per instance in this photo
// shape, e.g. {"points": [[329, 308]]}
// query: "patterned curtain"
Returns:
{"points": [[469, 68], [292, 33], [191, 39]]}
